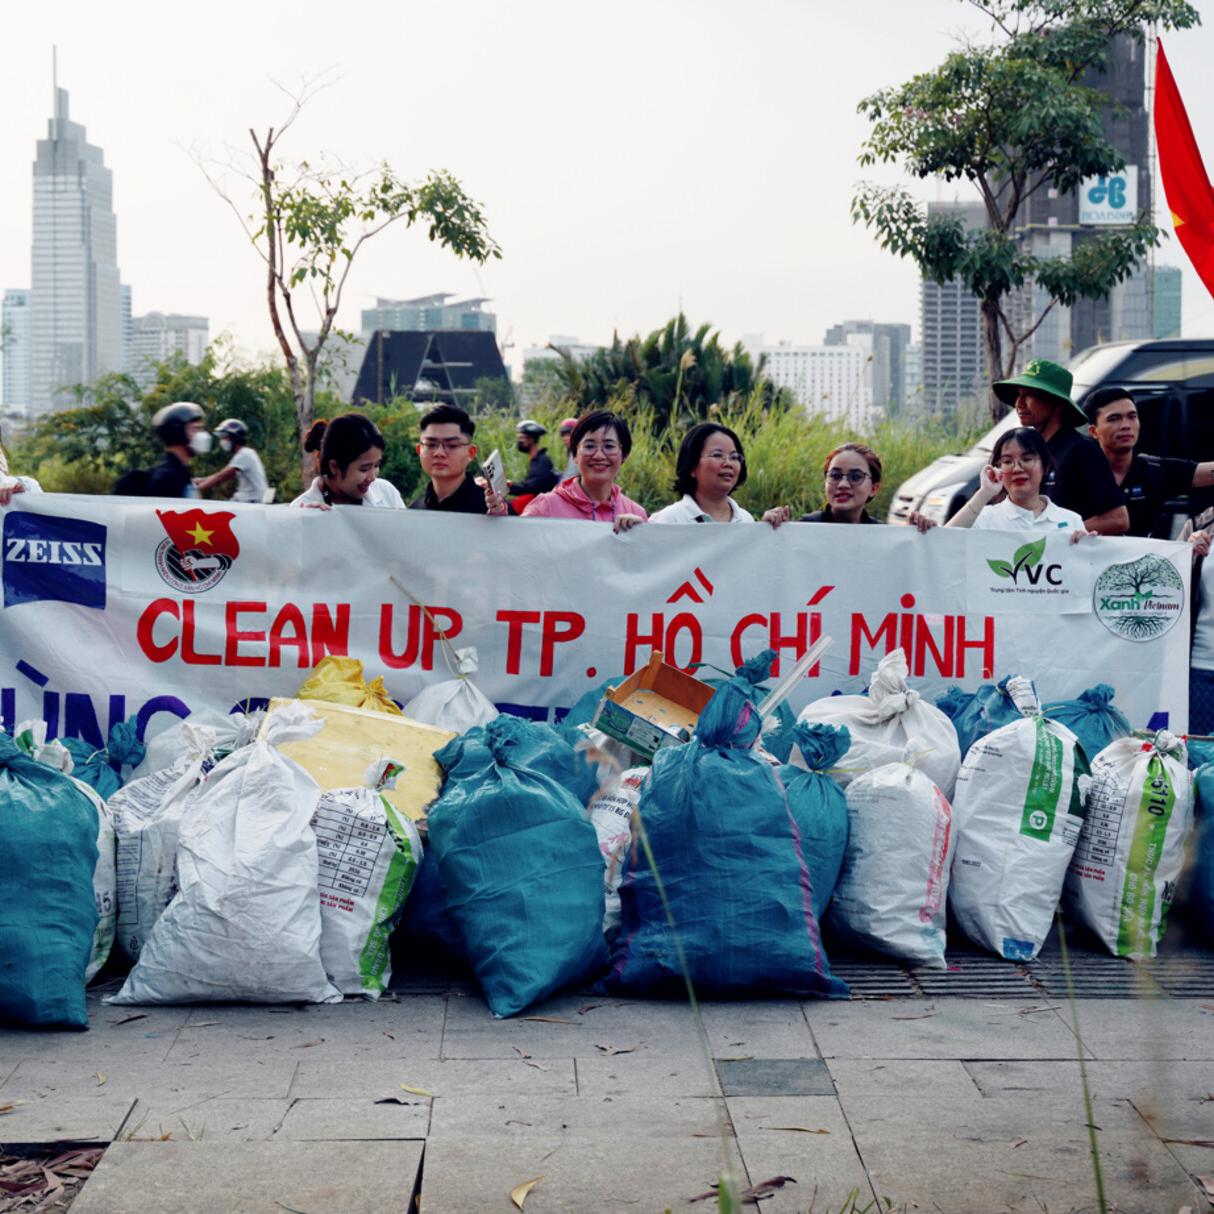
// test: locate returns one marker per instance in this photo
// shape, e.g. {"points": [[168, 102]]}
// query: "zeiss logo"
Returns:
{"points": [[56, 559]]}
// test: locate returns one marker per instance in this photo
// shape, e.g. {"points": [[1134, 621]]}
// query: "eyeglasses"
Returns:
{"points": [[593, 448], [1023, 460], [853, 477], [444, 444], [725, 457]]}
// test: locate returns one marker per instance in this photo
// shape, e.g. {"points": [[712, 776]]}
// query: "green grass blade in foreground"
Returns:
{"points": [[728, 1196], [1094, 1145]]}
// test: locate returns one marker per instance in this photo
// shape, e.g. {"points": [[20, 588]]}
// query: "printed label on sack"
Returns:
{"points": [[348, 848], [1150, 828], [1045, 784]]}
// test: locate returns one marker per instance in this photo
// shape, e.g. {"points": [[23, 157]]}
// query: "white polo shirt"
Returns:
{"points": [[1007, 516], [688, 510], [382, 493]]}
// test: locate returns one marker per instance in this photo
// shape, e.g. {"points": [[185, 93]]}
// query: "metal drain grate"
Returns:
{"points": [[977, 977]]}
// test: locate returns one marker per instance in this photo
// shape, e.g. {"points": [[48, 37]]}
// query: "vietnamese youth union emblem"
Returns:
{"points": [[199, 550]]}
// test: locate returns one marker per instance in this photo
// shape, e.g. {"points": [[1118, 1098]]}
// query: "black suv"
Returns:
{"points": [[1173, 386]]}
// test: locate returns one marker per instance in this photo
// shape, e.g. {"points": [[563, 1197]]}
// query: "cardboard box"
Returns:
{"points": [[657, 706], [354, 738]]}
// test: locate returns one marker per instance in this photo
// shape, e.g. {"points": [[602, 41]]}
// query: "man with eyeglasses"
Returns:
{"points": [[1081, 480], [446, 449]]}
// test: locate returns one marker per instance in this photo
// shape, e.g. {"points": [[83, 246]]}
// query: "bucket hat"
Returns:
{"points": [[1047, 379]]}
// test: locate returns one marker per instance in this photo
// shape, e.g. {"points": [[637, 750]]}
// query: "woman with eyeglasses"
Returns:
{"points": [[709, 467], [599, 445], [852, 474], [350, 451], [1019, 464]]}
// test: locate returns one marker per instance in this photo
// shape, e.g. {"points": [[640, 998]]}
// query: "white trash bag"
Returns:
{"points": [[31, 737], [611, 812], [230, 731], [147, 818], [883, 723], [245, 922], [1018, 813], [892, 890], [1131, 850], [458, 704], [368, 857]]}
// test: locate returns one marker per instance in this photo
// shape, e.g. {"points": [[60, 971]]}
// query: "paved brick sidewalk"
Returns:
{"points": [[936, 1102]]}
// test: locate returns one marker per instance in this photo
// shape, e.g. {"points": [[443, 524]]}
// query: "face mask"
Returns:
{"points": [[200, 443], [523, 445], [225, 444]]}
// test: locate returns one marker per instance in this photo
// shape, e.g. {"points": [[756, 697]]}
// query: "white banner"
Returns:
{"points": [[120, 606]]}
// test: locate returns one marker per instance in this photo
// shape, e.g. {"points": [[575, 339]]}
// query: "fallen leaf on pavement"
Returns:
{"points": [[550, 1019], [416, 1091], [765, 1188], [387, 1034], [207, 1024], [1207, 1183], [734, 1058], [1018, 1142], [1184, 1142], [520, 1053], [395, 1100], [518, 1194], [539, 1066], [611, 1050], [589, 1007], [100, 1076], [132, 1016], [12, 1104], [916, 1016], [802, 1129], [306, 1045]]}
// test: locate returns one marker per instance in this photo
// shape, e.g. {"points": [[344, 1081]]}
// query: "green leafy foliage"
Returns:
{"points": [[1015, 116]]}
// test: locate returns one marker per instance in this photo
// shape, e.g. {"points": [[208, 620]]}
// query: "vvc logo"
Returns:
{"points": [[1027, 560], [57, 559]]}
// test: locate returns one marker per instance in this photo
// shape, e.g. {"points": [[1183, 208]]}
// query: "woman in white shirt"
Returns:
{"points": [[351, 452], [1019, 464]]}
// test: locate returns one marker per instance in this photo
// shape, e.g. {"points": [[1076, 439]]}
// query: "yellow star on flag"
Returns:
{"points": [[1176, 220], [200, 535]]}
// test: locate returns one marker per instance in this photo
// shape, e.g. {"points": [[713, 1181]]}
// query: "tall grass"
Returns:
{"points": [[785, 452]]}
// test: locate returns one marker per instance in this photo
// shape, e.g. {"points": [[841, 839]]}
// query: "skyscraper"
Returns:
{"points": [[75, 297], [889, 342], [15, 349]]}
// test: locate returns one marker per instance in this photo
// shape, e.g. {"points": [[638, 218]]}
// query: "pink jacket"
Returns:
{"points": [[569, 500]]}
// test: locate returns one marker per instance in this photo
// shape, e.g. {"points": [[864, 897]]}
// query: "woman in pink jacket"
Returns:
{"points": [[600, 445]]}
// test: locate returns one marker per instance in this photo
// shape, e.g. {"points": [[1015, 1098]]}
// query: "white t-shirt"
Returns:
{"points": [[1202, 654], [251, 484], [382, 493], [688, 510], [1007, 516]]}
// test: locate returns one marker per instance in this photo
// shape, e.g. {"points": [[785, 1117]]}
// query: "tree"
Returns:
{"points": [[493, 392], [1014, 117], [311, 223], [676, 374]]}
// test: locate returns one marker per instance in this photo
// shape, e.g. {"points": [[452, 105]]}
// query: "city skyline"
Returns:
{"points": [[588, 248]]}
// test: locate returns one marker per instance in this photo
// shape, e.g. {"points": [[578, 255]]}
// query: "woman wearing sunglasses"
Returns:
{"points": [[852, 474]]}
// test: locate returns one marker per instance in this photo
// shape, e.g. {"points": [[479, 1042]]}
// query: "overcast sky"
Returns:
{"points": [[632, 157]]}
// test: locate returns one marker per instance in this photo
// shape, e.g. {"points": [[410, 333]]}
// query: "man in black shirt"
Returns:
{"points": [[180, 428], [1081, 480], [1147, 482], [541, 475], [446, 449]]}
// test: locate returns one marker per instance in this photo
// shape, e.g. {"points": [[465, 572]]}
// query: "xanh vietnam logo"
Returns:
{"points": [[1027, 560]]}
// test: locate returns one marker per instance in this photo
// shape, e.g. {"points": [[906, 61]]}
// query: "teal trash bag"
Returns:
{"points": [[48, 914], [728, 850], [752, 676], [1201, 889], [975, 714], [530, 744], [102, 769], [819, 806], [1092, 718], [427, 927], [1200, 753], [523, 873]]}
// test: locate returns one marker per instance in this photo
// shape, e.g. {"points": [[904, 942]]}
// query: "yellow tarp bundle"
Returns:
{"points": [[340, 681], [354, 738]]}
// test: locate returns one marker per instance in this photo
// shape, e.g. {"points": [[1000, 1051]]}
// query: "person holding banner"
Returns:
{"points": [[600, 444], [350, 453], [10, 485], [1020, 464], [446, 449], [852, 476]]}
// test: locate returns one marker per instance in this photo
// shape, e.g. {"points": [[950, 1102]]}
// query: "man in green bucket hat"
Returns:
{"points": [[1081, 479]]}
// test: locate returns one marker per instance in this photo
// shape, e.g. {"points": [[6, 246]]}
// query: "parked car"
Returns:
{"points": [[1173, 385]]}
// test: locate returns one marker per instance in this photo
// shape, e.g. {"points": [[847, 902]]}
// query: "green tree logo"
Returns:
{"points": [[1028, 556], [1140, 600]]}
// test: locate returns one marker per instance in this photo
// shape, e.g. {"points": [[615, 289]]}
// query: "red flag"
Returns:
{"points": [[1185, 183], [201, 531]]}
